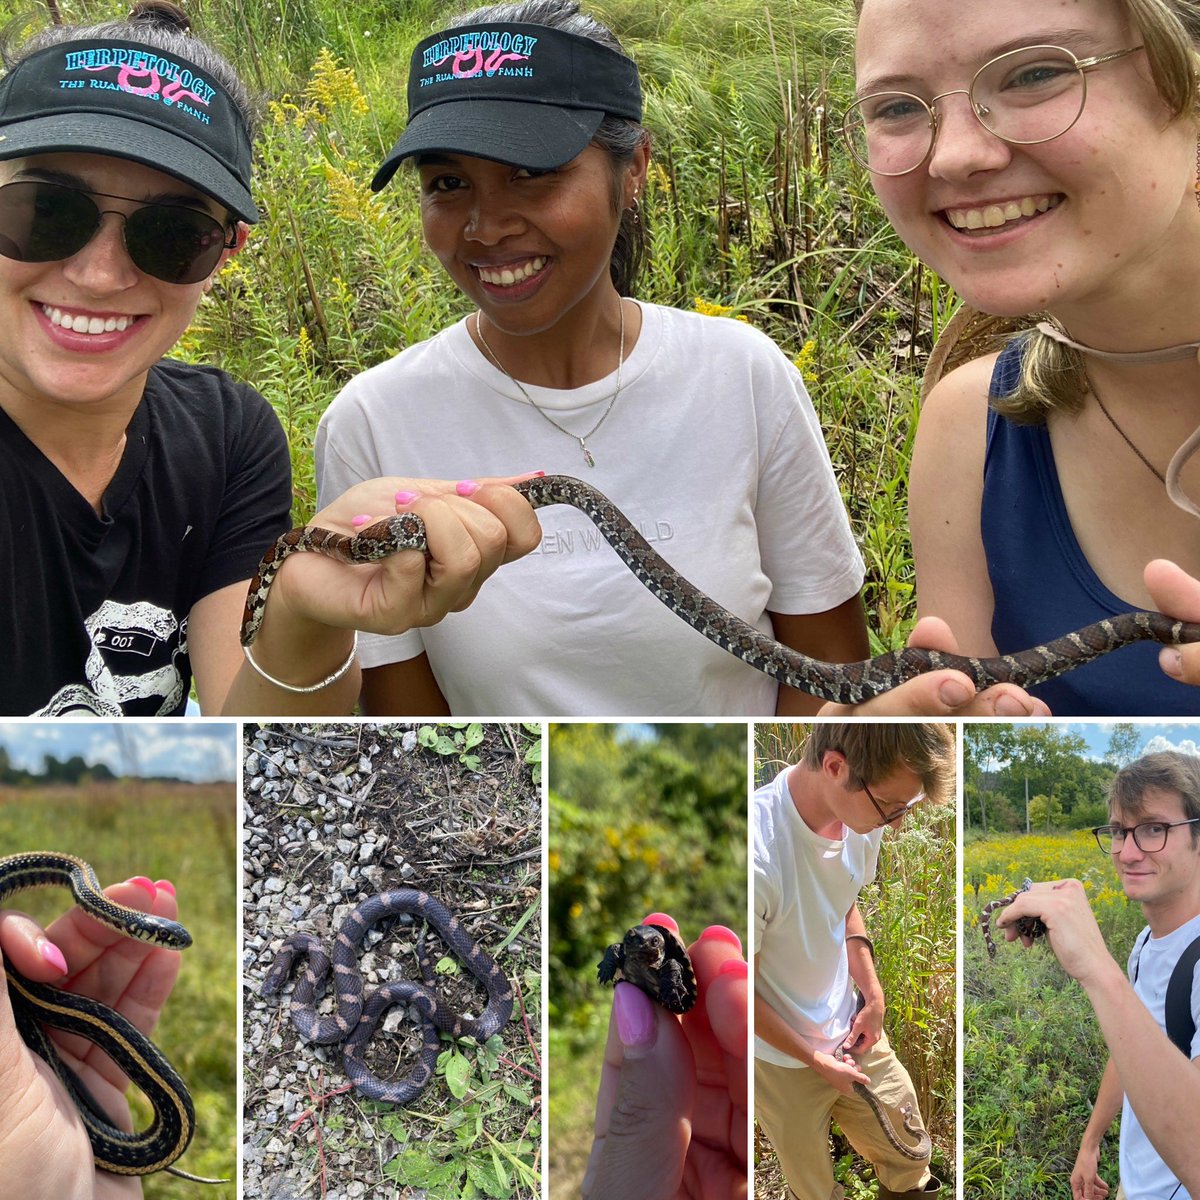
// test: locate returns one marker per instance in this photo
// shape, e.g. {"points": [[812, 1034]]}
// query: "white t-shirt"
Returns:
{"points": [[712, 449], [1144, 1175], [804, 886]]}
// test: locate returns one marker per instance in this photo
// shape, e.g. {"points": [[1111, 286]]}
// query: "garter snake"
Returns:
{"points": [[36, 1005]]}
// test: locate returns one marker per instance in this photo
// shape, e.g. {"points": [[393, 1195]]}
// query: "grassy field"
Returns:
{"points": [[187, 834], [1032, 1052], [752, 208], [911, 915]]}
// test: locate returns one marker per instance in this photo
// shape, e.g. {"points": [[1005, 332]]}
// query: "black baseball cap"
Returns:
{"points": [[515, 93], [134, 101]]}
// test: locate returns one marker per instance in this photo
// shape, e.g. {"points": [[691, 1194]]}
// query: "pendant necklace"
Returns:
{"points": [[582, 440]]}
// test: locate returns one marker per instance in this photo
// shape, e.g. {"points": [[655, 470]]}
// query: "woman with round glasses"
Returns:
{"points": [[1044, 162], [138, 494]]}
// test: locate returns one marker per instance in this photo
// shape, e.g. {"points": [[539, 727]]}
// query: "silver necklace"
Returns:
{"points": [[582, 440]]}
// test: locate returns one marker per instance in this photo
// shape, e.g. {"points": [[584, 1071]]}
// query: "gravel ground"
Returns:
{"points": [[335, 813]]}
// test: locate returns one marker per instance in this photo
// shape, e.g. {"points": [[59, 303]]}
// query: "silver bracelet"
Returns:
{"points": [[316, 687]]}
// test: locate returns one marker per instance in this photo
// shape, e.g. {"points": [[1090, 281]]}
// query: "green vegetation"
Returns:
{"points": [[1032, 1052], [1037, 778], [189, 836], [637, 825], [752, 207], [911, 914]]}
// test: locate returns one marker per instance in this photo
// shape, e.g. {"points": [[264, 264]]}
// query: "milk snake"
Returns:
{"points": [[1030, 927], [357, 1014], [845, 683]]}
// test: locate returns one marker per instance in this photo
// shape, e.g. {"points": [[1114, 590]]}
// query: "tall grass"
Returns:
{"points": [[911, 914], [1032, 1051]]}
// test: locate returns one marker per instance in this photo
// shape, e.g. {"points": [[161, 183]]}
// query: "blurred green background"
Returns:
{"points": [[186, 833], [643, 818]]}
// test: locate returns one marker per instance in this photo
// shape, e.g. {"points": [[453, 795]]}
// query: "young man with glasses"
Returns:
{"points": [[1154, 841], [817, 830]]}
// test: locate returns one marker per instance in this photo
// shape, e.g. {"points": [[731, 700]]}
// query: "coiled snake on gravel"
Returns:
{"points": [[845, 683], [1030, 927], [356, 1017]]}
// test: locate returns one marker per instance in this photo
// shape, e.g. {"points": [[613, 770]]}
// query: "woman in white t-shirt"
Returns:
{"points": [[524, 128]]}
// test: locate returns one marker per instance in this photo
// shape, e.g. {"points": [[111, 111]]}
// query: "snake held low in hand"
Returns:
{"points": [[357, 1014], [923, 1147], [845, 683], [37, 1004]]}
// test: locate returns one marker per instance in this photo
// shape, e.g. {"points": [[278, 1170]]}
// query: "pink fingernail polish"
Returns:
{"points": [[662, 919], [53, 955], [165, 885], [466, 487], [143, 882], [722, 933], [737, 967], [360, 520], [634, 1013], [406, 497]]}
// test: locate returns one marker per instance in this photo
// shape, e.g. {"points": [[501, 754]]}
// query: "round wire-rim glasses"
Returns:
{"points": [[884, 817], [855, 118], [1110, 838]]}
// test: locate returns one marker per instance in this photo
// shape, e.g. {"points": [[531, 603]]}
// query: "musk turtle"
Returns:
{"points": [[653, 958]]}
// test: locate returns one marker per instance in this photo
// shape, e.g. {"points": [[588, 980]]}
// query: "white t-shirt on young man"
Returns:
{"points": [[804, 885], [712, 449], [1144, 1175]]}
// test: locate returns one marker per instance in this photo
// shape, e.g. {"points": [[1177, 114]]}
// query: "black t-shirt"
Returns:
{"points": [[94, 608]]}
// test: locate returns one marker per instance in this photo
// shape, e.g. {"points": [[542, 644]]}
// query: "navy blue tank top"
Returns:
{"points": [[1044, 587]]}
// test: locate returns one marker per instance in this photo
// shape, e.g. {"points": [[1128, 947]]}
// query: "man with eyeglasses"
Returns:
{"points": [[1151, 1079], [817, 830]]}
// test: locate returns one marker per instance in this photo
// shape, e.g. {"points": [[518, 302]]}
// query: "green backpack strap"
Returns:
{"points": [[1181, 1026]]}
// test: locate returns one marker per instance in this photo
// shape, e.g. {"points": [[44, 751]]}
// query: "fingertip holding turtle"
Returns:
{"points": [[654, 959]]}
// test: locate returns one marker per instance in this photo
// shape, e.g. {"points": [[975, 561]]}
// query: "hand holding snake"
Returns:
{"points": [[844, 683], [675, 1071], [45, 1151]]}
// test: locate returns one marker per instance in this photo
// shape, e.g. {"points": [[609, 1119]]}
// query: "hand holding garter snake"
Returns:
{"points": [[64, 1121]]}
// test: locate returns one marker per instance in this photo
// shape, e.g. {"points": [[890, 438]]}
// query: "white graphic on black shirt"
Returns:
{"points": [[124, 637]]}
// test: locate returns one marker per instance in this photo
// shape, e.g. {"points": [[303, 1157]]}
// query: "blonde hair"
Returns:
{"points": [[874, 751], [1052, 377]]}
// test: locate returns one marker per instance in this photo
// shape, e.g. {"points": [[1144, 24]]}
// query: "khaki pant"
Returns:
{"points": [[794, 1106]]}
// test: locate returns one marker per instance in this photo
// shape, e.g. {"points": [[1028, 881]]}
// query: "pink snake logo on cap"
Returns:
{"points": [[469, 64]]}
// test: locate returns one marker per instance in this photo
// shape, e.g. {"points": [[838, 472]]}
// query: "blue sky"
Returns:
{"points": [[1156, 735], [198, 751]]}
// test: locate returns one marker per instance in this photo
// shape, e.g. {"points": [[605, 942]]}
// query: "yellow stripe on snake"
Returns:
{"points": [[37, 1004]]}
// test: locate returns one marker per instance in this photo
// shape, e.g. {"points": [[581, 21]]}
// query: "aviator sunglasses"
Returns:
{"points": [[49, 222]]}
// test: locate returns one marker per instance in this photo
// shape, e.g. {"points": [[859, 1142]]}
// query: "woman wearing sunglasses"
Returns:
{"points": [[524, 135], [1044, 162], [139, 494]]}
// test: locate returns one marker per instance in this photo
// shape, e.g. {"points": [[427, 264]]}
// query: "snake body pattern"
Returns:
{"points": [[357, 1015], [923, 1146], [37, 1004], [844, 683], [1030, 927]]}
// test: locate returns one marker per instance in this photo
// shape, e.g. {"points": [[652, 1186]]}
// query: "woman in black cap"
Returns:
{"points": [[139, 494], [525, 133], [524, 127]]}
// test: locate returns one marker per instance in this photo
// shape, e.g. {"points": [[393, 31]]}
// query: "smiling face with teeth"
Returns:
{"points": [[87, 329], [1070, 225], [531, 249]]}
